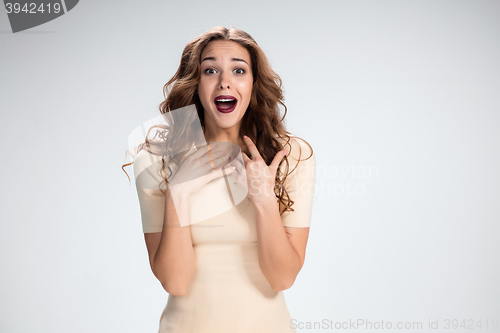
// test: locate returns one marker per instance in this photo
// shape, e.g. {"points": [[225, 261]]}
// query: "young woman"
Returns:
{"points": [[227, 273]]}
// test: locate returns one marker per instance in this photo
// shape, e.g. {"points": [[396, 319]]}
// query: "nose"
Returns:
{"points": [[224, 81]]}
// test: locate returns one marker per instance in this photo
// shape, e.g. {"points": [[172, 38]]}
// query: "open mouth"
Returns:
{"points": [[225, 105]]}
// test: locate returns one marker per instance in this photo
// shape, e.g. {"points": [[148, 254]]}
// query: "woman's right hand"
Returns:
{"points": [[197, 169]]}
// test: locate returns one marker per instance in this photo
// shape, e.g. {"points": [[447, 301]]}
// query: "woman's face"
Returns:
{"points": [[225, 86]]}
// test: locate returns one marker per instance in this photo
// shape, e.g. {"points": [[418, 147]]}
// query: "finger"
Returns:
{"points": [[208, 159], [221, 156], [252, 148], [216, 158], [222, 148], [245, 157], [219, 173], [277, 160], [221, 161], [203, 150], [237, 176]]}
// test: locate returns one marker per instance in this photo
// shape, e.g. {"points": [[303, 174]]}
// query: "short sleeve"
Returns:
{"points": [[147, 169], [300, 184]]}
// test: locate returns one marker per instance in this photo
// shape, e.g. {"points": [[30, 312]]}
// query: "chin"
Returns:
{"points": [[226, 124], [226, 121]]}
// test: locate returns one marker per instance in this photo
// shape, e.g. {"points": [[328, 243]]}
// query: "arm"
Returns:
{"points": [[281, 249], [170, 248], [282, 239], [171, 252]]}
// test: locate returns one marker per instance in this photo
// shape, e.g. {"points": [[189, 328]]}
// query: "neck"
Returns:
{"points": [[225, 135]]}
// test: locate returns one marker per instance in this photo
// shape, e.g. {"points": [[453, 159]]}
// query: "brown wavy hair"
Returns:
{"points": [[262, 121]]}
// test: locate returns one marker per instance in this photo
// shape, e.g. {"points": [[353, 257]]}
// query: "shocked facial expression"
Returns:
{"points": [[225, 85]]}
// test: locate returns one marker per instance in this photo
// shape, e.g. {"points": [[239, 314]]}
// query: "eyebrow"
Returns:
{"points": [[232, 59]]}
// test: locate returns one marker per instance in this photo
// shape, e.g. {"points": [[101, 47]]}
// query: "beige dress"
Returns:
{"points": [[228, 291]]}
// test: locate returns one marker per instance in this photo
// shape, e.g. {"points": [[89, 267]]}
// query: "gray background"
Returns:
{"points": [[405, 90]]}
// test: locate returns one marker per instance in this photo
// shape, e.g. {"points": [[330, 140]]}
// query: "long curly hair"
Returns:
{"points": [[262, 121]]}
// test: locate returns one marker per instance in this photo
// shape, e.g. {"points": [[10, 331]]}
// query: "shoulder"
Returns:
{"points": [[300, 153], [298, 148], [142, 161], [147, 169]]}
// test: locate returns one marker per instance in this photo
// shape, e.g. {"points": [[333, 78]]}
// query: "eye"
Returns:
{"points": [[209, 69], [240, 69]]}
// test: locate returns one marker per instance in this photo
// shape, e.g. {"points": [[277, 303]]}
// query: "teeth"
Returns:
{"points": [[225, 100]]}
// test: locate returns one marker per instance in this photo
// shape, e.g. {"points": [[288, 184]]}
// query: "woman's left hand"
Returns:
{"points": [[260, 177]]}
